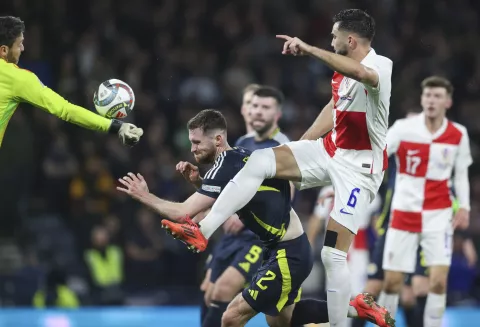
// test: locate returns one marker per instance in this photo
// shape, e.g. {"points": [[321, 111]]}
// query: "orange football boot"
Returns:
{"points": [[188, 232], [369, 310]]}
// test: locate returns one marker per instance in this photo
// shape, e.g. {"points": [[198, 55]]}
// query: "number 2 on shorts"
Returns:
{"points": [[270, 275]]}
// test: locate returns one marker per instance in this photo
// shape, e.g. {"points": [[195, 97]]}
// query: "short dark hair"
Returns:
{"points": [[438, 81], [270, 92], [356, 21], [208, 120], [10, 29]]}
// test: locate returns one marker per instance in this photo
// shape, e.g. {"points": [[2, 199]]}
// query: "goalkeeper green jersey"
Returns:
{"points": [[20, 85]]}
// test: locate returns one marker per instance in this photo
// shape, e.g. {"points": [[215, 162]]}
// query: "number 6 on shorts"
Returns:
{"points": [[352, 200]]}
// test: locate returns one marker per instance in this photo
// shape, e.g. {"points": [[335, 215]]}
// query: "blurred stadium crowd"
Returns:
{"points": [[58, 196]]}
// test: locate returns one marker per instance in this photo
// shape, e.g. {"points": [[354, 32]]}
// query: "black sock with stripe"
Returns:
{"points": [[309, 311], [215, 313], [409, 313], [420, 311]]}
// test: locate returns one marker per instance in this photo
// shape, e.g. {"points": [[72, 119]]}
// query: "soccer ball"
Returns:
{"points": [[114, 99]]}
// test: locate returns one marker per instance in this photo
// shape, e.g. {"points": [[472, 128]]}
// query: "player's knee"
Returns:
{"points": [[208, 297], [407, 298], [229, 318], [374, 287], [332, 257], [225, 290], [262, 162], [420, 286], [438, 284], [393, 282]]}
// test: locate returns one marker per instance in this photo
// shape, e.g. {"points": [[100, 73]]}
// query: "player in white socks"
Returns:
{"points": [[352, 156], [358, 255], [428, 147]]}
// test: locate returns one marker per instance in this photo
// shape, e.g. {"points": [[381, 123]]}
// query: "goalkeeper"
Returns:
{"points": [[19, 85]]}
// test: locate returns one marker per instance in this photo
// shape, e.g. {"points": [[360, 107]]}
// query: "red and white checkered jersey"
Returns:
{"points": [[360, 117], [422, 200]]}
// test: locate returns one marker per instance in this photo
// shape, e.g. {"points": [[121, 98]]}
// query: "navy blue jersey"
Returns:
{"points": [[386, 191], [268, 213], [248, 141]]}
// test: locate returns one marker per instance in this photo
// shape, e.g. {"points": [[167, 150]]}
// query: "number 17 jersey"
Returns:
{"points": [[422, 201]]}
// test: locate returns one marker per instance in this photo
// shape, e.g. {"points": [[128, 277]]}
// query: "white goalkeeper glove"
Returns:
{"points": [[128, 133]]}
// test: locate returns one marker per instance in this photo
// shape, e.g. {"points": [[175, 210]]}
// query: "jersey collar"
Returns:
{"points": [[440, 131], [370, 53]]}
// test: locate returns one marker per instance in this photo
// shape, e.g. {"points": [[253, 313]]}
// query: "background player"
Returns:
{"points": [[427, 147], [233, 261], [247, 96], [288, 261], [351, 157], [20, 85]]}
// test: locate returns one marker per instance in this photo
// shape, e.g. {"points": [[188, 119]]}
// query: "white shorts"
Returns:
{"points": [[400, 252], [353, 190]]}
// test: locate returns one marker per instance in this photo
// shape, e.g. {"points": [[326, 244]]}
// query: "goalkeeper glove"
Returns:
{"points": [[128, 133]]}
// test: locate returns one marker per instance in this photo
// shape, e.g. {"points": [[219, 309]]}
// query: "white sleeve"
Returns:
{"points": [[383, 68], [460, 180], [464, 156], [462, 188], [393, 138]]}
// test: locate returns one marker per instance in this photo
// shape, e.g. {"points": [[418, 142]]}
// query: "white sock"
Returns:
{"points": [[389, 301], [241, 189], [434, 309], [338, 285], [352, 312]]}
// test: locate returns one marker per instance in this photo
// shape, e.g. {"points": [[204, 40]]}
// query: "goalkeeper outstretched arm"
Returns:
{"points": [[28, 88]]}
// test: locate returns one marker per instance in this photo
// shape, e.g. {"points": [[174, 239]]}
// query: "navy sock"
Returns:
{"points": [[203, 309], [214, 315], [359, 323], [409, 313], [419, 311], [309, 311]]}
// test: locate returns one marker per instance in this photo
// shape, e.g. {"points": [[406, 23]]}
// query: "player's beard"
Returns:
{"points": [[343, 51], [207, 158], [264, 129], [11, 58]]}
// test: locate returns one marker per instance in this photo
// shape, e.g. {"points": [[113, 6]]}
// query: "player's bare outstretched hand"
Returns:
{"points": [[294, 46], [189, 172], [134, 185], [461, 219]]}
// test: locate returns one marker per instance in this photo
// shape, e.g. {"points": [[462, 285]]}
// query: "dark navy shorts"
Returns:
{"points": [[375, 270], [277, 283], [243, 252]]}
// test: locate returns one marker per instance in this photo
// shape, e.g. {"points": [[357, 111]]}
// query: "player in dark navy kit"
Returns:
{"points": [[227, 272], [237, 255], [287, 260]]}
